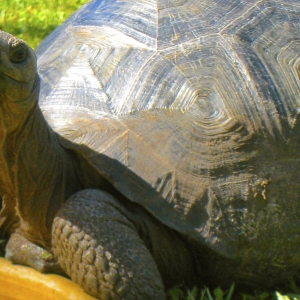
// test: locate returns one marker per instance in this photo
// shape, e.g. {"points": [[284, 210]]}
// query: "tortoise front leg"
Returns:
{"points": [[100, 249]]}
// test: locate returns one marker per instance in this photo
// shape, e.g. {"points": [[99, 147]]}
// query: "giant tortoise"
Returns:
{"points": [[162, 148]]}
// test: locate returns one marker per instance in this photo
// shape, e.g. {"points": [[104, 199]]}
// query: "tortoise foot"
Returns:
{"points": [[21, 251]]}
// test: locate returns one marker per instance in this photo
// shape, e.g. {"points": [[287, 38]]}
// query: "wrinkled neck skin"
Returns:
{"points": [[32, 174]]}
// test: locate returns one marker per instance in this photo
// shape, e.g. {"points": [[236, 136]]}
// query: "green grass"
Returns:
{"points": [[218, 294], [32, 21]]}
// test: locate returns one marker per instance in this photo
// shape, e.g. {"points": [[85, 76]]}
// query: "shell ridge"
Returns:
{"points": [[120, 110], [241, 17]]}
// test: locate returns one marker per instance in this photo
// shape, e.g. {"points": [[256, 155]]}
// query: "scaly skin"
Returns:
{"points": [[28, 149], [112, 248], [121, 267], [104, 266]]}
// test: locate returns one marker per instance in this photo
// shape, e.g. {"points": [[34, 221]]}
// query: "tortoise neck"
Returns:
{"points": [[32, 177]]}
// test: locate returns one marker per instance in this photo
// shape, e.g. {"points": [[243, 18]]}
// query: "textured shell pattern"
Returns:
{"points": [[190, 108]]}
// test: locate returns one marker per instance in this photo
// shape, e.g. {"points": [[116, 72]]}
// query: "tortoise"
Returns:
{"points": [[158, 146]]}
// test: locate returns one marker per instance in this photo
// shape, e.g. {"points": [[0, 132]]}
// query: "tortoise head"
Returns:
{"points": [[18, 75]]}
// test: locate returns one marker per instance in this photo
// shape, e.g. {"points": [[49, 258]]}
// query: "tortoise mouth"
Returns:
{"points": [[24, 93], [5, 75]]}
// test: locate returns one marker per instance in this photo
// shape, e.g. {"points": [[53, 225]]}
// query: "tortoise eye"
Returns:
{"points": [[19, 54]]}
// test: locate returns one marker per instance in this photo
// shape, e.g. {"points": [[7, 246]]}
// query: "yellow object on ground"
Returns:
{"points": [[23, 283]]}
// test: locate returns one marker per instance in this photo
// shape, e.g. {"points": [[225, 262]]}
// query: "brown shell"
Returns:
{"points": [[190, 108]]}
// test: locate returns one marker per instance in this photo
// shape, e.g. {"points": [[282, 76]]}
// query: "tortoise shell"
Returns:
{"points": [[191, 109]]}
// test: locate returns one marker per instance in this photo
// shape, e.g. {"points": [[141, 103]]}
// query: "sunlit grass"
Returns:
{"points": [[33, 20], [219, 294]]}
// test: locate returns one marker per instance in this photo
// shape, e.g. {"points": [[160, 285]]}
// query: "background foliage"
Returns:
{"points": [[33, 20]]}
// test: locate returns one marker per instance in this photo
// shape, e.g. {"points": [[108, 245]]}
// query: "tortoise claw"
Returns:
{"points": [[21, 251]]}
